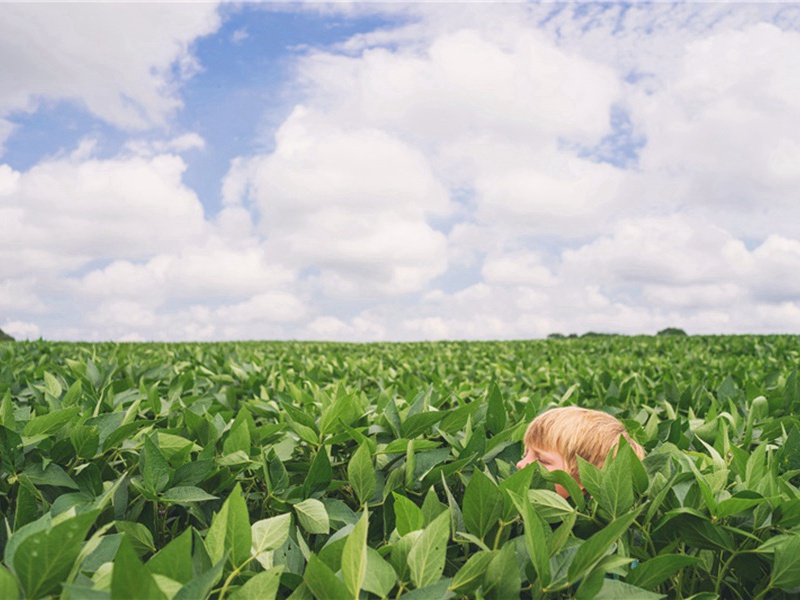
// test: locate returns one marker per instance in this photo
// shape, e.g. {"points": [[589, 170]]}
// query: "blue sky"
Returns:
{"points": [[400, 171]]}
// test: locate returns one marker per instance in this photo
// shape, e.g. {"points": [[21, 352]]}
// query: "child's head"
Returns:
{"points": [[559, 436]]}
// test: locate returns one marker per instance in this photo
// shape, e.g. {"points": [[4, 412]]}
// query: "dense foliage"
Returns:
{"points": [[262, 470]]}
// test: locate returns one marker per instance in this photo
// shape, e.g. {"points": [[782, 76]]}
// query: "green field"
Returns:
{"points": [[275, 470]]}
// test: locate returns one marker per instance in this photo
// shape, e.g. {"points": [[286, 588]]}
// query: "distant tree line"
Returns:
{"points": [[4, 337], [561, 336]]}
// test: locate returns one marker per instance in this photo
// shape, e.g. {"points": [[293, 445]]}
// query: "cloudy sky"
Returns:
{"points": [[379, 171]]}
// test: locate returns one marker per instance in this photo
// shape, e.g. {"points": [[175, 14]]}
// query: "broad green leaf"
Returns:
{"points": [[408, 516], [319, 475], [786, 569], [566, 481], [591, 477], [130, 579], [312, 516], [8, 585], [361, 474], [400, 552], [202, 584], [27, 509], [86, 441], [238, 439], [230, 530], [427, 557], [496, 411], [593, 549], [140, 537], [431, 507], [175, 559], [739, 503], [436, 591], [617, 489], [49, 422], [154, 466], [536, 538], [655, 571], [473, 570], [419, 423], [262, 586], [354, 556], [185, 494], [502, 575], [550, 506], [482, 505], [618, 590], [270, 534], [380, 577], [323, 582], [53, 475], [44, 558]]}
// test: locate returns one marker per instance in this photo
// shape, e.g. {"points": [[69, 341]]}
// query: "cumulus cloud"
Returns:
{"points": [[83, 53], [353, 204], [64, 213]]}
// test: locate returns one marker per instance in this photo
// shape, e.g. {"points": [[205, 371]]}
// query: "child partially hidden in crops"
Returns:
{"points": [[556, 439]]}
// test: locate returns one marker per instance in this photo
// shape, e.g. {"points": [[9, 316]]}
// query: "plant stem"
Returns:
{"points": [[721, 572]]}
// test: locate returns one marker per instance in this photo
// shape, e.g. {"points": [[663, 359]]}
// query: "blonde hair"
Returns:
{"points": [[572, 432]]}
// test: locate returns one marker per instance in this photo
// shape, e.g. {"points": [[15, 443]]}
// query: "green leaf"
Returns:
{"points": [[140, 537], [312, 516], [175, 559], [496, 410], [53, 475], [550, 506], [230, 530], [593, 549], [655, 571], [262, 586], [354, 556], [185, 494], [591, 477], [319, 475], [323, 582], [482, 505], [739, 502], [431, 507], [536, 538], [786, 569], [380, 577], [86, 441], [618, 590], [419, 423], [130, 580], [408, 516], [617, 490], [8, 585], [238, 439], [154, 466], [270, 534], [502, 575], [473, 570], [49, 422], [361, 474], [45, 558], [27, 509], [202, 584], [427, 556]]}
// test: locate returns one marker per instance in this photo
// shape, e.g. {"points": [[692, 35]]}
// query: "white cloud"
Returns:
{"points": [[353, 204], [63, 213], [84, 53]]}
